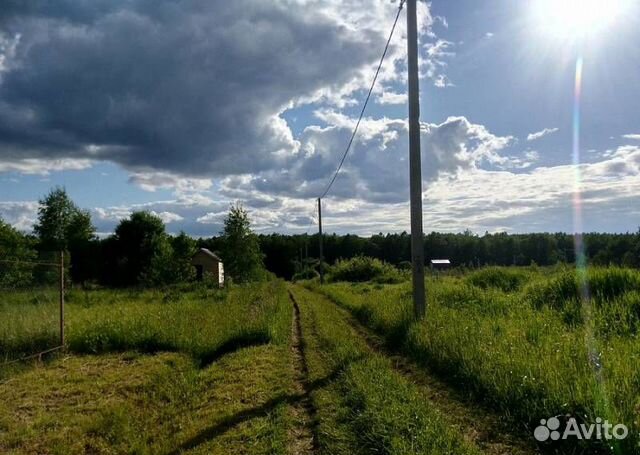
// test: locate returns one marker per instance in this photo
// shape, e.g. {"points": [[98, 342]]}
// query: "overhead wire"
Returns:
{"points": [[366, 101]]}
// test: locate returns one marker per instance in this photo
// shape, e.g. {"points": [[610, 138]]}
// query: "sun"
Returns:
{"points": [[576, 20]]}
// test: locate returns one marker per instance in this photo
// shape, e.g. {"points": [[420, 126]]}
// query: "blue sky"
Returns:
{"points": [[141, 105]]}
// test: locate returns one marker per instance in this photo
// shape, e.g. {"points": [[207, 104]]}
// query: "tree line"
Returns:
{"points": [[141, 252], [285, 255]]}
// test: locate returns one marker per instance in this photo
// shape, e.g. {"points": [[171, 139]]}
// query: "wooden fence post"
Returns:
{"points": [[62, 299]]}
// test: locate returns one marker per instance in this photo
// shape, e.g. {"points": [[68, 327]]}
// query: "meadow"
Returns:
{"points": [[523, 341], [342, 368], [192, 369], [197, 320], [148, 371]]}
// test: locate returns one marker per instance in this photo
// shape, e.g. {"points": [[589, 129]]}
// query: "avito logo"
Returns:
{"points": [[602, 429]]}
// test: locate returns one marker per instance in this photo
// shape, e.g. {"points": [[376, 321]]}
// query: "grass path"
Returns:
{"points": [[479, 426], [364, 403], [303, 441]]}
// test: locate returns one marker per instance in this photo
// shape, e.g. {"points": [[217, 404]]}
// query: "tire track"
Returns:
{"points": [[303, 437], [485, 428]]}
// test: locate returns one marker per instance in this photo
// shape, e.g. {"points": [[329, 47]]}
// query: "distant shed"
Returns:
{"points": [[208, 264], [440, 264]]}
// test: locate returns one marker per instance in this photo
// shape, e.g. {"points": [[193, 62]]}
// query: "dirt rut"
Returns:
{"points": [[486, 429], [303, 441]]}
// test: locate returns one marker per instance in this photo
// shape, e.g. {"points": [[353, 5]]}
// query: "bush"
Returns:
{"points": [[308, 274], [362, 268], [604, 285], [505, 279]]}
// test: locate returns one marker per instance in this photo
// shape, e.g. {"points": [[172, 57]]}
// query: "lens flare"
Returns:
{"points": [[580, 256], [577, 201], [591, 344], [577, 19]]}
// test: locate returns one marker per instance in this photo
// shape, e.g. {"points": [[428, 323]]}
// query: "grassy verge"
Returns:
{"points": [[161, 404], [125, 401], [201, 322], [522, 341], [363, 405]]}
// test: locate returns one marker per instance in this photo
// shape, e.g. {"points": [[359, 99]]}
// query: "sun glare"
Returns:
{"points": [[577, 19]]}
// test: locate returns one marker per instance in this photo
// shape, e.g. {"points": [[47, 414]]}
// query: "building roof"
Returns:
{"points": [[440, 261], [209, 253]]}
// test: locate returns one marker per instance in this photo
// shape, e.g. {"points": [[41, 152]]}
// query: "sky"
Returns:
{"points": [[184, 107]]}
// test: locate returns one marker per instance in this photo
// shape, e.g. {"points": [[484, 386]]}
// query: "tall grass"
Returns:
{"points": [[29, 322], [198, 321], [528, 345], [171, 402]]}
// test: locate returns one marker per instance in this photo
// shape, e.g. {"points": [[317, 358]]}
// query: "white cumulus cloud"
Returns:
{"points": [[541, 133]]}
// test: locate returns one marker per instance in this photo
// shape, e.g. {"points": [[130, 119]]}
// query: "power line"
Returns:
{"points": [[366, 101]]}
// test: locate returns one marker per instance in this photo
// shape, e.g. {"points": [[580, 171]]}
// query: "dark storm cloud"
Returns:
{"points": [[192, 86], [70, 10]]}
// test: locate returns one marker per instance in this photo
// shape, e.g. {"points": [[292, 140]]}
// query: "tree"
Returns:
{"points": [[15, 246], [243, 260], [80, 240], [80, 229], [138, 240], [161, 268], [171, 261], [184, 247], [63, 226], [61, 223]]}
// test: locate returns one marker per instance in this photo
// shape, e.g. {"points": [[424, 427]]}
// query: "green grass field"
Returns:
{"points": [[150, 372], [521, 340], [196, 370], [202, 322]]}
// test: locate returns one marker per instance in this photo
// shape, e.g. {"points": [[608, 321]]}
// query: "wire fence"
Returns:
{"points": [[31, 306]]}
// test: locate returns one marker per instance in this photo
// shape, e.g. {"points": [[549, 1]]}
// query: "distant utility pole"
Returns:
{"points": [[415, 173], [306, 253], [320, 240]]}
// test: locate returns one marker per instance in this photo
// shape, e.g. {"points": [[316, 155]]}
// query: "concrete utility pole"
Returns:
{"points": [[320, 240], [415, 173]]}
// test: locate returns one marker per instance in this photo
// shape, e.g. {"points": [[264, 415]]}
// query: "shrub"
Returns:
{"points": [[308, 274], [505, 279], [362, 268]]}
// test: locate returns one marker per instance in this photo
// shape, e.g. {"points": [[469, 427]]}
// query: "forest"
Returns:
{"points": [[142, 252]]}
